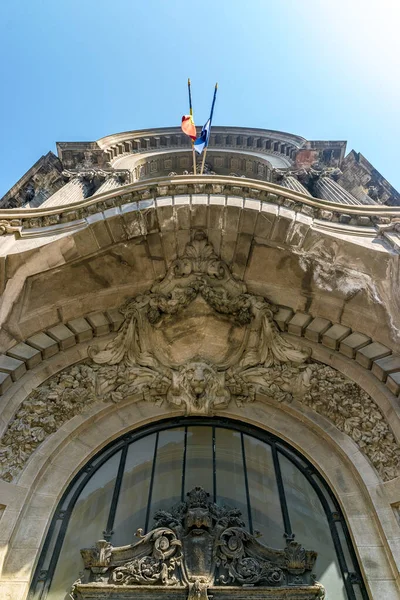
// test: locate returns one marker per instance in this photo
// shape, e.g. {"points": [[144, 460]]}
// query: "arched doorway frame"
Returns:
{"points": [[346, 470], [55, 536]]}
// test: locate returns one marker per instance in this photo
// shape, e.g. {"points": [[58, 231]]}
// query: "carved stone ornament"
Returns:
{"points": [[197, 341], [11, 226], [254, 354], [392, 227], [196, 546]]}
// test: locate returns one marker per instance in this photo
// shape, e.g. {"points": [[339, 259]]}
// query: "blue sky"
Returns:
{"points": [[76, 70]]}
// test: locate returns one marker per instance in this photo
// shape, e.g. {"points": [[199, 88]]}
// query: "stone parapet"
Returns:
{"points": [[170, 190]]}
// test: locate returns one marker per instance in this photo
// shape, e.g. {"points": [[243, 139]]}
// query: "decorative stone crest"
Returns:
{"points": [[198, 385], [197, 545], [252, 358]]}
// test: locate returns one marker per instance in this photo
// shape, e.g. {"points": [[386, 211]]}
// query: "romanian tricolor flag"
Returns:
{"points": [[188, 126], [202, 142]]}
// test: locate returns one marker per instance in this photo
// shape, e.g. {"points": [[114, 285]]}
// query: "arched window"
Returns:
{"points": [[277, 490]]}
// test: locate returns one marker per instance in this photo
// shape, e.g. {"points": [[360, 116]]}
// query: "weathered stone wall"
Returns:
{"points": [[361, 179], [336, 286]]}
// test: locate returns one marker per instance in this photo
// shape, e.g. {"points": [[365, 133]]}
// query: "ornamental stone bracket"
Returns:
{"points": [[197, 546], [197, 341]]}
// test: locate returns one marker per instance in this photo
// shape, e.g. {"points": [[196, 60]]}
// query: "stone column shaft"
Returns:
{"points": [[291, 183], [112, 182], [73, 191], [328, 189]]}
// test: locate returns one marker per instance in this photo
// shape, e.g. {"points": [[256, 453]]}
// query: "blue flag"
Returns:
{"points": [[202, 141]]}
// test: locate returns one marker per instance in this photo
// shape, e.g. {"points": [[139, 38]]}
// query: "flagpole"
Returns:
{"points": [[211, 115], [191, 114]]}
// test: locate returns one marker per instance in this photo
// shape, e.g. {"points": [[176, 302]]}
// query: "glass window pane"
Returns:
{"points": [[167, 486], [231, 489], [38, 590], [311, 527], [85, 527], [324, 491], [263, 490], [345, 548], [358, 593], [289, 451], [235, 460], [50, 549], [199, 459], [134, 493]]}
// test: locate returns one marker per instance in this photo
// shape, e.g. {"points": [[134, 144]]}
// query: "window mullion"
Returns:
{"points": [[114, 501]]}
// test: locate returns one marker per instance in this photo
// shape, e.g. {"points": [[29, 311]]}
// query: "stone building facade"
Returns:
{"points": [[212, 360]]}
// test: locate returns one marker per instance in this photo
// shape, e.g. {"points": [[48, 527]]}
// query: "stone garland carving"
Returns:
{"points": [[264, 362], [197, 545]]}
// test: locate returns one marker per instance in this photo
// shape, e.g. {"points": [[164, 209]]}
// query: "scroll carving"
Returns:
{"points": [[11, 226], [260, 363], [197, 545]]}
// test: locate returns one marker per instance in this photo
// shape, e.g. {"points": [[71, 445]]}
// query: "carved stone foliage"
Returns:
{"points": [[45, 410], [197, 545], [244, 355]]}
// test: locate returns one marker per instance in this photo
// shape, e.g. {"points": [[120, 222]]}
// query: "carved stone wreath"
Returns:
{"points": [[242, 354], [197, 545]]}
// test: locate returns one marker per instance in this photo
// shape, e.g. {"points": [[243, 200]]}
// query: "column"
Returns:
{"points": [[76, 190], [329, 189], [113, 180], [291, 183]]}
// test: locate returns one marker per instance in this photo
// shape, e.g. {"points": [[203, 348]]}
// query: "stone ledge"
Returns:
{"points": [[115, 317], [5, 382], [47, 345], [298, 323], [282, 317], [62, 335], [316, 329], [354, 342], [393, 383], [29, 355], [99, 323], [368, 354], [81, 328], [382, 367], [14, 367], [334, 335]]}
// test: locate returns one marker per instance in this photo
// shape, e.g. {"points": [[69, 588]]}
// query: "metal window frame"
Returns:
{"points": [[44, 576]]}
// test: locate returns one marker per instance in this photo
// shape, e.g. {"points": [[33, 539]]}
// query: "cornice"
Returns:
{"points": [[109, 140], [359, 218], [110, 148]]}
